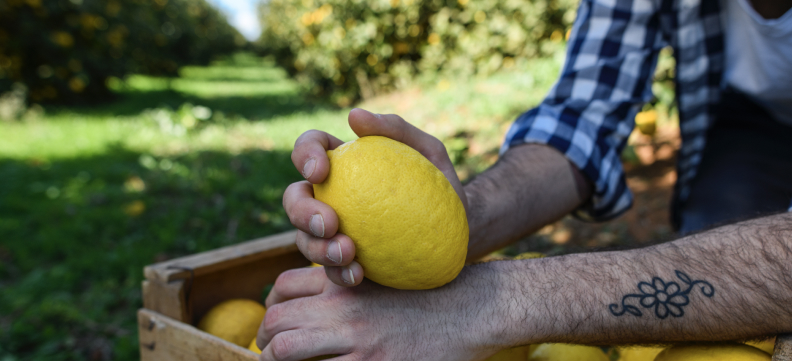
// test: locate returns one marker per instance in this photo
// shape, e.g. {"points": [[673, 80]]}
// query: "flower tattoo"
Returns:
{"points": [[666, 298]]}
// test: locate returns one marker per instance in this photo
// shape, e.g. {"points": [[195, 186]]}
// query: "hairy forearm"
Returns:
{"points": [[734, 282], [530, 186]]}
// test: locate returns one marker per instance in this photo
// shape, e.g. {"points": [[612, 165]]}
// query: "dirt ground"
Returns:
{"points": [[651, 176]]}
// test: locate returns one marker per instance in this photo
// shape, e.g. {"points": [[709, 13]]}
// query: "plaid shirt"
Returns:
{"points": [[612, 52]]}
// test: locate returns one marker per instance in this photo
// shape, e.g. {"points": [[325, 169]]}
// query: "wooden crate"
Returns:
{"points": [[177, 293]]}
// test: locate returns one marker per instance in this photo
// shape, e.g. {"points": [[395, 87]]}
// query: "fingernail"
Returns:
{"points": [[334, 252], [347, 276], [317, 225], [309, 167]]}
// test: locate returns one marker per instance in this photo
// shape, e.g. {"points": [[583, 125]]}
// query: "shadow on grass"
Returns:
{"points": [[257, 108], [76, 234], [255, 90]]}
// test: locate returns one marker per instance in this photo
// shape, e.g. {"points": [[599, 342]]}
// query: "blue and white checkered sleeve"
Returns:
{"points": [[589, 113]]}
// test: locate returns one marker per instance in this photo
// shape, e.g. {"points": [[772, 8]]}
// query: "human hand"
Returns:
{"points": [[308, 316], [317, 222]]}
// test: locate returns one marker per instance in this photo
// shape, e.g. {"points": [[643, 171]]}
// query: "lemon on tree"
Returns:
{"points": [[407, 222], [713, 352], [236, 320]]}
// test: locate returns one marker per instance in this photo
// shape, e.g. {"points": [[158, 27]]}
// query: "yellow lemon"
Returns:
{"points": [[236, 320], [647, 121], [566, 352], [639, 353], [529, 255], [407, 222], [253, 347], [512, 354], [713, 352], [767, 345]]}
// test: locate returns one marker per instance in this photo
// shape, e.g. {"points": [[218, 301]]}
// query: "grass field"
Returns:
{"points": [[88, 196]]}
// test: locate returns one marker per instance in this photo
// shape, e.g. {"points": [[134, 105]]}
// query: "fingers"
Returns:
{"points": [[285, 316], [295, 345], [348, 276], [310, 154], [296, 283], [336, 254], [308, 214], [336, 251], [365, 123]]}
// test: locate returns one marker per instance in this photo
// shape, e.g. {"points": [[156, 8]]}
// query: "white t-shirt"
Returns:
{"points": [[759, 57]]}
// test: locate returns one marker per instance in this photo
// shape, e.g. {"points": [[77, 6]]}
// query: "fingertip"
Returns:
{"points": [[310, 154], [364, 122], [354, 272], [345, 248], [346, 276]]}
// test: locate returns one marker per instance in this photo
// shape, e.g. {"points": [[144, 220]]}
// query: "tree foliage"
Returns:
{"points": [[65, 50], [352, 48]]}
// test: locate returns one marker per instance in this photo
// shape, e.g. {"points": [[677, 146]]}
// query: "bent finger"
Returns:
{"points": [[347, 276], [310, 154], [339, 250], [308, 214], [296, 283], [295, 345]]}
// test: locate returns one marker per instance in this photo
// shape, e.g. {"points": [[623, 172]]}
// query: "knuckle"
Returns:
{"points": [[287, 197], [271, 319], [282, 347], [306, 136], [397, 118], [283, 280], [302, 242], [437, 146]]}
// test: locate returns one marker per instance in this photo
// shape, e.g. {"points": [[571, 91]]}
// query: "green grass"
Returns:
{"points": [[88, 196]]}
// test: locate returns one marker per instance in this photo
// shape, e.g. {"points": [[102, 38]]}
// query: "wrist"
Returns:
{"points": [[507, 314], [476, 223]]}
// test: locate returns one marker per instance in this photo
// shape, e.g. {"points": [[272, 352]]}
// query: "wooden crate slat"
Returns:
{"points": [[163, 338], [783, 348], [222, 258], [241, 281], [168, 299]]}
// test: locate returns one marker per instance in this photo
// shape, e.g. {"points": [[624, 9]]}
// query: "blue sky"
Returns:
{"points": [[242, 14]]}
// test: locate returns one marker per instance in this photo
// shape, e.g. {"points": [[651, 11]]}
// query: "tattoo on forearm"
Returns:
{"points": [[666, 298]]}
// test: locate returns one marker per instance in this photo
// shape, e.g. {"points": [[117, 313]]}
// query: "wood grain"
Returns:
{"points": [[245, 280], [168, 299], [783, 348], [163, 338], [222, 258]]}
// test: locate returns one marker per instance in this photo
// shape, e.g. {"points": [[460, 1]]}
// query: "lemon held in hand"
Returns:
{"points": [[407, 222], [236, 320]]}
